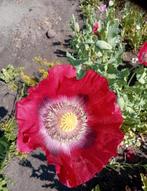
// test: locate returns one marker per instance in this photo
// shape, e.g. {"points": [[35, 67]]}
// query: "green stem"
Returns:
{"points": [[131, 78]]}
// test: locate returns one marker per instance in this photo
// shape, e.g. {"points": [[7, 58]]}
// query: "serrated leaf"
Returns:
{"points": [[73, 60], [121, 102], [89, 41], [144, 180], [103, 45], [80, 71], [114, 41], [142, 78], [112, 29], [111, 76]]}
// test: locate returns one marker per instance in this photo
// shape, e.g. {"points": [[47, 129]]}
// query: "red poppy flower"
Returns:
{"points": [[95, 27], [142, 55], [76, 122]]}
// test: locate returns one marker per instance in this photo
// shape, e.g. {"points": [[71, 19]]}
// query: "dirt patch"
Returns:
{"points": [[34, 28]]}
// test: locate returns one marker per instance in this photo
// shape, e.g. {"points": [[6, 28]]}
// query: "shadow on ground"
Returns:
{"points": [[3, 112], [46, 173], [109, 179]]}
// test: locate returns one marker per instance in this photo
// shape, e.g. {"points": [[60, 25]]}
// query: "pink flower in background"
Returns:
{"points": [[96, 27], [142, 54], [103, 8]]}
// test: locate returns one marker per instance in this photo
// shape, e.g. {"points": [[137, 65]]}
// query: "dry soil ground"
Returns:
{"points": [[34, 28]]}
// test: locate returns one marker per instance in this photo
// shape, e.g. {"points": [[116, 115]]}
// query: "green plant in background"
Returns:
{"points": [[7, 147], [97, 188], [134, 26], [10, 75], [3, 184], [144, 180], [93, 50], [7, 140], [4, 148], [135, 104], [93, 3], [132, 100]]}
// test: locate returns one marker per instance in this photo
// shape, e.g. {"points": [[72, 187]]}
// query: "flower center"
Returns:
{"points": [[68, 121], [65, 120]]}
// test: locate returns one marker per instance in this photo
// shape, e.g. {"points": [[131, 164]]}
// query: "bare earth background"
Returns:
{"points": [[34, 28], [29, 29]]}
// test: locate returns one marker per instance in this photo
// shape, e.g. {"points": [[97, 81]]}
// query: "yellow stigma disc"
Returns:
{"points": [[68, 121]]}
